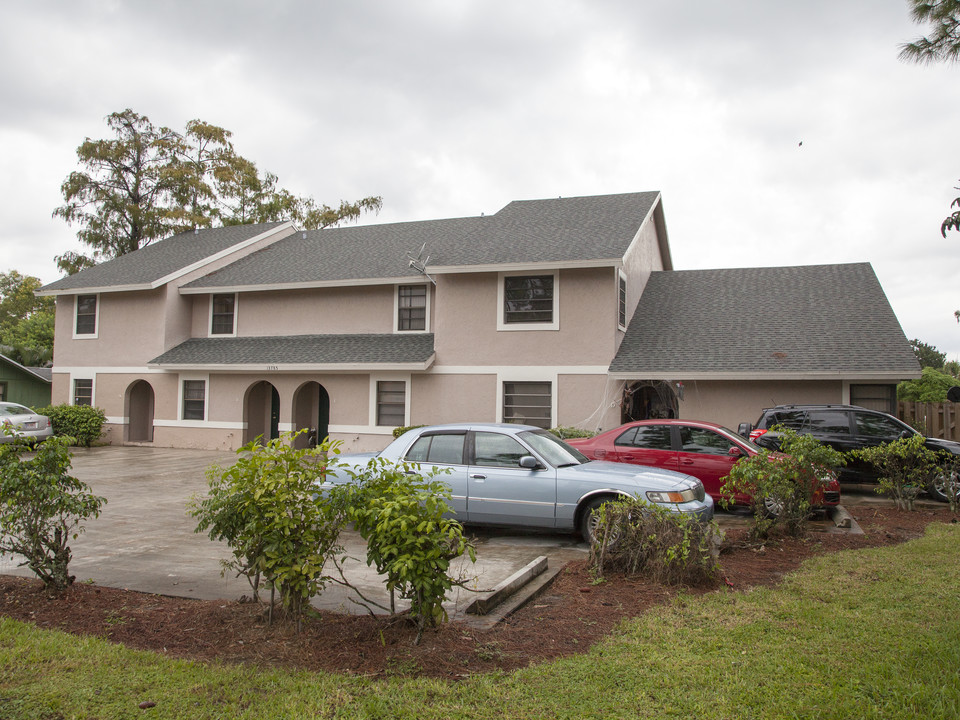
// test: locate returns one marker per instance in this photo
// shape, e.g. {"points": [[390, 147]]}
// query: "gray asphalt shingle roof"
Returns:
{"points": [[532, 231], [775, 321], [393, 349], [159, 259]]}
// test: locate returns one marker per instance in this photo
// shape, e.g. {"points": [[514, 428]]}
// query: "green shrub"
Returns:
{"points": [[782, 485], [635, 537], [906, 467], [397, 432], [400, 515], [82, 423], [42, 507], [266, 508], [564, 432]]}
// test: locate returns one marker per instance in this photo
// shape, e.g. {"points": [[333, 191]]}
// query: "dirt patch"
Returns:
{"points": [[570, 617]]}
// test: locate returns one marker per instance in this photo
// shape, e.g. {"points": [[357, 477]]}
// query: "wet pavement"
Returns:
{"points": [[144, 538]]}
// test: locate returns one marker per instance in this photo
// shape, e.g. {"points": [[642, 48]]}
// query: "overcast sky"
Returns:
{"points": [[452, 108]]}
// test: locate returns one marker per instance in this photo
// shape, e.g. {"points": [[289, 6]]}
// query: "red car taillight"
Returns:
{"points": [[754, 434]]}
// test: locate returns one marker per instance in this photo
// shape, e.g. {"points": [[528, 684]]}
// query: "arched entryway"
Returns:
{"points": [[261, 412], [311, 411], [139, 406], [648, 399]]}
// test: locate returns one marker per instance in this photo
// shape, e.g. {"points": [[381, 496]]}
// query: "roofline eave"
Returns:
{"points": [[753, 375], [295, 367]]}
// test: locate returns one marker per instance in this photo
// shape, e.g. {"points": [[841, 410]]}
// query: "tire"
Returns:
{"points": [[772, 507], [588, 521], [940, 487]]}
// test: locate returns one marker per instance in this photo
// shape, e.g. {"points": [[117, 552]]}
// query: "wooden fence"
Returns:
{"points": [[932, 419]]}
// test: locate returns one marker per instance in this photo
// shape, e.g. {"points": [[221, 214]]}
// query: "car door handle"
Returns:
{"points": [[477, 476]]}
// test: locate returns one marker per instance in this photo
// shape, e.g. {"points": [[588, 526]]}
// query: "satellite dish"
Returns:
{"points": [[953, 394]]}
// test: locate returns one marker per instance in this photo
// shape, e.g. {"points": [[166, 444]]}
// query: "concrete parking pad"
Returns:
{"points": [[144, 539]]}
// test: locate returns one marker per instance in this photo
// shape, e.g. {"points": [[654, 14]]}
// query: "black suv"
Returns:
{"points": [[844, 428]]}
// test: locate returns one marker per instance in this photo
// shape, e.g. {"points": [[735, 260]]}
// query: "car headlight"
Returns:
{"points": [[663, 496]]}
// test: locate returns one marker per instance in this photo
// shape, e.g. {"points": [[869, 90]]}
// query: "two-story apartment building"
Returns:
{"points": [[213, 337]]}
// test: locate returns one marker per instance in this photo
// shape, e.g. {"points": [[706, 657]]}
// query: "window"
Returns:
{"points": [[877, 426], [194, 399], [412, 307], [3, 391], [444, 448], [834, 422], [83, 391], [622, 301], [653, 437], [527, 403], [528, 299], [496, 450], [391, 402], [222, 314], [707, 442], [86, 315]]}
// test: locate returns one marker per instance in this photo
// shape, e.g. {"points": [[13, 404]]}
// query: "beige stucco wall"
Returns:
{"points": [[733, 402], [437, 399], [466, 315], [584, 401], [641, 259]]}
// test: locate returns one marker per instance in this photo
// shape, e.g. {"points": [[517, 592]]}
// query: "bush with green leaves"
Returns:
{"points": [[635, 537], [398, 431], [565, 431], [42, 508], [782, 485], [266, 507], [906, 468], [82, 423], [399, 511]]}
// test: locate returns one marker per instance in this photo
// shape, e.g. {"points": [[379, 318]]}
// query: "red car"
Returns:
{"points": [[702, 449]]}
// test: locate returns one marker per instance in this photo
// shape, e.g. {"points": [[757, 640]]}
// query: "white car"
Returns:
{"points": [[524, 476], [18, 420]]}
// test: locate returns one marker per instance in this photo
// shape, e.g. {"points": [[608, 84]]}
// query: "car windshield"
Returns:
{"points": [[554, 450], [11, 409]]}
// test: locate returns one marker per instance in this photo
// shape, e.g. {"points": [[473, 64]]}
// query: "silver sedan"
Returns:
{"points": [[18, 420], [520, 475]]}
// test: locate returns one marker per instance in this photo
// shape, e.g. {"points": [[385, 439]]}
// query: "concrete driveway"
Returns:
{"points": [[144, 539]]}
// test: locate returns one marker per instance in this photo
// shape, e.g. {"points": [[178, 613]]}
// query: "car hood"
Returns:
{"points": [[939, 444], [647, 478]]}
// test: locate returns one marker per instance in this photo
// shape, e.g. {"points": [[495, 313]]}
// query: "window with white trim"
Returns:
{"points": [[528, 299], [528, 403], [83, 391], [223, 315], [194, 400], [391, 402], [622, 301], [411, 307], [86, 315]]}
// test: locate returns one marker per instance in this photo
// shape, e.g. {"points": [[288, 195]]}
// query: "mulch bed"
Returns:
{"points": [[571, 616]]}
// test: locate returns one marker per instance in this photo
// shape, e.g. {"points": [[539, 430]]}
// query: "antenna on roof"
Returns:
{"points": [[420, 265]]}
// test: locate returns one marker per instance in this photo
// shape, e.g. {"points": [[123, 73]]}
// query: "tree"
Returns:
{"points": [[943, 42], [26, 321], [941, 45], [42, 507], [927, 355], [149, 182], [930, 387]]}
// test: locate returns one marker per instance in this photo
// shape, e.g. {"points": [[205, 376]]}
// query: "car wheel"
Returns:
{"points": [[772, 507], [590, 520], [943, 484]]}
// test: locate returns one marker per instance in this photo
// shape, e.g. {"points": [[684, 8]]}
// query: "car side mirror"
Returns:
{"points": [[529, 462], [734, 451], [905, 434], [744, 429]]}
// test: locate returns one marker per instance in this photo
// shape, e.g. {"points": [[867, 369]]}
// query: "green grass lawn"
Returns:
{"points": [[865, 634]]}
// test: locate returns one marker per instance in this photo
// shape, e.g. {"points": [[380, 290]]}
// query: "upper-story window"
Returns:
{"points": [[411, 307], [223, 314], [622, 300], [86, 315], [528, 302]]}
